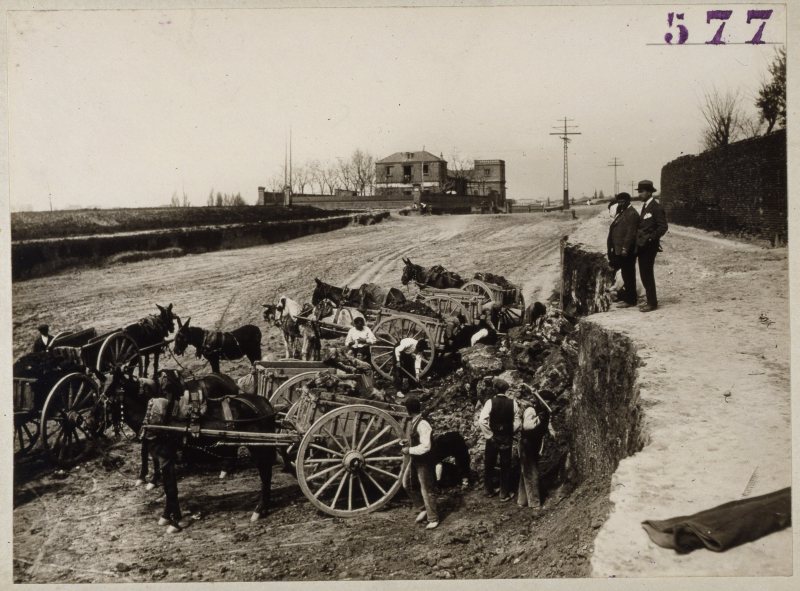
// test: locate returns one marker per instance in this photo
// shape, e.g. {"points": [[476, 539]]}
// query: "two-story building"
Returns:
{"points": [[488, 178], [409, 172]]}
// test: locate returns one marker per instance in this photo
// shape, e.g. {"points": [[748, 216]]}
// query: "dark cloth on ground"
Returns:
{"points": [[451, 445], [725, 526]]}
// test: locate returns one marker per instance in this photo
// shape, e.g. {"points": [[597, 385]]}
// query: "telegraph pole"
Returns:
{"points": [[564, 135], [616, 163]]}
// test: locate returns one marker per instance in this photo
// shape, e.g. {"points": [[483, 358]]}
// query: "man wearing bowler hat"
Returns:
{"points": [[622, 246], [652, 226], [43, 341]]}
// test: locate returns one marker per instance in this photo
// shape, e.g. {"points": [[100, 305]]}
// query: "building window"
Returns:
{"points": [[388, 171], [424, 169], [406, 173], [487, 171]]}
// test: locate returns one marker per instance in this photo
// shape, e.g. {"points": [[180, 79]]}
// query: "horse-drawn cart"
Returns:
{"points": [[348, 450], [57, 393]]}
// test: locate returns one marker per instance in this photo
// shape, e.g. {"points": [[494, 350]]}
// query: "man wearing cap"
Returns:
{"points": [[419, 478], [622, 246], [359, 338], [42, 342], [409, 356], [652, 226], [499, 419]]}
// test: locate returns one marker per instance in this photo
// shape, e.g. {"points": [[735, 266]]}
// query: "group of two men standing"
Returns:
{"points": [[635, 235]]}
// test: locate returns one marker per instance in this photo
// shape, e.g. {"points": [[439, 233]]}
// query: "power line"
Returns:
{"points": [[616, 164], [564, 135]]}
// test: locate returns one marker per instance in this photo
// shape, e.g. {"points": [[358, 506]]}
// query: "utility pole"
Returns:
{"points": [[564, 135], [616, 164]]}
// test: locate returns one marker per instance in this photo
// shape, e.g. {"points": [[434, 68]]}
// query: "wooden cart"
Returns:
{"points": [[347, 450]]}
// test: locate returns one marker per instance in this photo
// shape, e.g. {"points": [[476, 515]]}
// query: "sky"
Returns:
{"points": [[122, 108]]}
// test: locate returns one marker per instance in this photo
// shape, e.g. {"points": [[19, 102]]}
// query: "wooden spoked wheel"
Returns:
{"points": [[26, 433], [444, 305], [69, 419], [289, 391], [388, 334], [481, 289], [349, 461], [119, 350]]}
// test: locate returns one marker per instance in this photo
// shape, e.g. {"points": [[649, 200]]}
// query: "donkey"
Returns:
{"points": [[225, 405], [152, 330], [241, 342], [436, 276], [283, 316]]}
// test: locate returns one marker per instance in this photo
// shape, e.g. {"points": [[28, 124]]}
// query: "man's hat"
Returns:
{"points": [[499, 384], [646, 186], [43, 328], [413, 405], [626, 196]]}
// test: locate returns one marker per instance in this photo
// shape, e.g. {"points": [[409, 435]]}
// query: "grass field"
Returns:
{"points": [[58, 224]]}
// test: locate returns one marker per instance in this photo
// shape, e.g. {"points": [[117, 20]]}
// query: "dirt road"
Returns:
{"points": [[92, 526]]}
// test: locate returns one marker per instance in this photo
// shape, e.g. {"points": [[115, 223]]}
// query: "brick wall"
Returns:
{"points": [[739, 189]]}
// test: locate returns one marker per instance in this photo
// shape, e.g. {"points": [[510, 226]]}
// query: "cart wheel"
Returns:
{"points": [[288, 392], [69, 419], [26, 433], [388, 333], [509, 318], [444, 305], [118, 350], [481, 289], [349, 461]]}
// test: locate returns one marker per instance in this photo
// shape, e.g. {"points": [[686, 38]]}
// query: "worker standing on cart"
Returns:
{"points": [[409, 361], [42, 342], [358, 340]]}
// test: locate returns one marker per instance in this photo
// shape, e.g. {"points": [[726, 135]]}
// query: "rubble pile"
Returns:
{"points": [[541, 358]]}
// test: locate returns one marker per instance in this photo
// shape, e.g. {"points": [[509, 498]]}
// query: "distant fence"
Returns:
{"points": [[738, 189]]}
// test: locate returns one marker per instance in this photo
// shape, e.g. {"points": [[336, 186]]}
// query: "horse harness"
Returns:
{"points": [[214, 343]]}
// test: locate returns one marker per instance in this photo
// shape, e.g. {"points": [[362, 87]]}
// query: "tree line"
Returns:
{"points": [[356, 173], [725, 113]]}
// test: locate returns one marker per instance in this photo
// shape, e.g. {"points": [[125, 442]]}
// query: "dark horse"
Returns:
{"points": [[150, 331], [226, 409], [436, 276], [243, 341], [369, 296]]}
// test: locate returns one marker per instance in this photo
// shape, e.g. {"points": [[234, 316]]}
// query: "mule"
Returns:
{"points": [[152, 330], [340, 296], [226, 409], [436, 276], [244, 341], [283, 315]]}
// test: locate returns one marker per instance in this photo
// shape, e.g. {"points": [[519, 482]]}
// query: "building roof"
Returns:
{"points": [[420, 156]]}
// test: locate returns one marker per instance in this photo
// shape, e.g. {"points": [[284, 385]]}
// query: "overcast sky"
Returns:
{"points": [[122, 108]]}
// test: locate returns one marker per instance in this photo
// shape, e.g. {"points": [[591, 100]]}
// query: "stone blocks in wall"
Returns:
{"points": [[738, 189]]}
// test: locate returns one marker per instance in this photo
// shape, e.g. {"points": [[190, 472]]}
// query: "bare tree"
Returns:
{"points": [[174, 202], [275, 184], [316, 176], [345, 175], [724, 118], [329, 174], [363, 168], [301, 178], [460, 170], [210, 200], [771, 101]]}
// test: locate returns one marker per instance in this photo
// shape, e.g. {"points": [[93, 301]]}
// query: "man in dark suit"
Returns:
{"points": [[44, 339], [622, 246], [652, 226]]}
